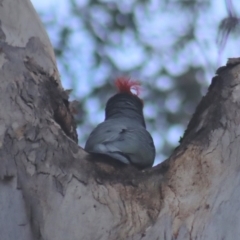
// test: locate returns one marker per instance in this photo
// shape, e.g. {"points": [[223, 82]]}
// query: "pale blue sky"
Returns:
{"points": [[218, 12], [204, 52]]}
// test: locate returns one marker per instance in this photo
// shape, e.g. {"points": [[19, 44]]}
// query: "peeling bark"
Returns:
{"points": [[52, 189]]}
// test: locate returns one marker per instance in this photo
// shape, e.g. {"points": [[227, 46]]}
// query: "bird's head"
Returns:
{"points": [[126, 103]]}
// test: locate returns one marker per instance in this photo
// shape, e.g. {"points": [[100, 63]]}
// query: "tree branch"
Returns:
{"points": [[52, 189]]}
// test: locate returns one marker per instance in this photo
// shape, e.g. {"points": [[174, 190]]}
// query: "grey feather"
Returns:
{"points": [[123, 139]]}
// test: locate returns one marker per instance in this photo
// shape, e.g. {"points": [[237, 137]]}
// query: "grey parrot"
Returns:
{"points": [[123, 135]]}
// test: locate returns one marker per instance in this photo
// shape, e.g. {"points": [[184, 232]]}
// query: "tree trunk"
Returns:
{"points": [[52, 190]]}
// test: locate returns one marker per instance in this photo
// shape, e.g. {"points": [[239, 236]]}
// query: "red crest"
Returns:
{"points": [[125, 84]]}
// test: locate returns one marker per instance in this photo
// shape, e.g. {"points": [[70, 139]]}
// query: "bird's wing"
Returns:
{"points": [[120, 141]]}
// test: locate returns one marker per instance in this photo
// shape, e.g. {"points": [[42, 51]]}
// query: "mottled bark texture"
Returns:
{"points": [[51, 189]]}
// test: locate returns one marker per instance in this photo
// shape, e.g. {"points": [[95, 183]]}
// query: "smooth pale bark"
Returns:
{"points": [[51, 189]]}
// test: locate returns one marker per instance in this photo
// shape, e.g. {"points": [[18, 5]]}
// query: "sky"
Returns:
{"points": [[204, 54], [212, 53], [217, 5]]}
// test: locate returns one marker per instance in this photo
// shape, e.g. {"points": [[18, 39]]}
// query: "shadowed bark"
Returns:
{"points": [[52, 189]]}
